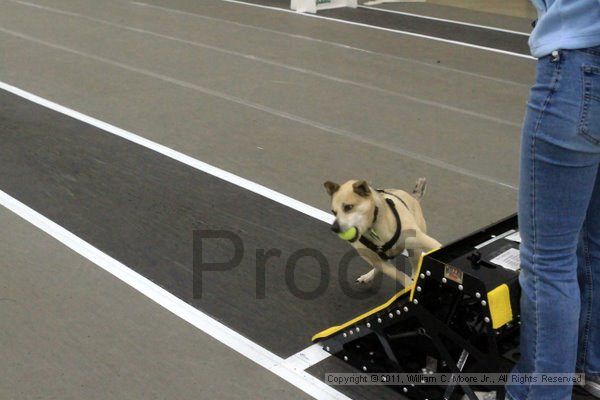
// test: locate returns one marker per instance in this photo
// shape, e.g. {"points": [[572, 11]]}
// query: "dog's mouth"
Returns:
{"points": [[350, 235]]}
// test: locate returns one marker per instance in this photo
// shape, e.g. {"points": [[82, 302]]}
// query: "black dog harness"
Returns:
{"points": [[382, 250]]}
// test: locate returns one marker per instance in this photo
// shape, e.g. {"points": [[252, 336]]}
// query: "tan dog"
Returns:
{"points": [[381, 224]]}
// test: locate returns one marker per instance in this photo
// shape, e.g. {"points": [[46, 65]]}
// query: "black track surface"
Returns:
{"points": [[141, 208]]}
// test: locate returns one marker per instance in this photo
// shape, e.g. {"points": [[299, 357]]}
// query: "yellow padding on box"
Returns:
{"points": [[335, 329], [500, 309], [418, 271]]}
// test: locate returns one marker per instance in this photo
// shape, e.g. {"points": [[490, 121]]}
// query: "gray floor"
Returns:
{"points": [[72, 331], [284, 100], [262, 121]]}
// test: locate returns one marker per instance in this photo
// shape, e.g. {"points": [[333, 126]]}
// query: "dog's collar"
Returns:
{"points": [[375, 214], [376, 211], [381, 250], [392, 194]]}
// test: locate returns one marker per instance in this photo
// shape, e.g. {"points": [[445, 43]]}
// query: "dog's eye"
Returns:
{"points": [[348, 207]]}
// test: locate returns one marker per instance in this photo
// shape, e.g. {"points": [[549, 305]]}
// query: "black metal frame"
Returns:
{"points": [[444, 321]]}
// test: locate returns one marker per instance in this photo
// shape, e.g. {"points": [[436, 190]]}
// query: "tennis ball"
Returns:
{"points": [[349, 234]]}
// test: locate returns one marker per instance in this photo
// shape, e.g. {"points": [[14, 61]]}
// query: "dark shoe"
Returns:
{"points": [[592, 386]]}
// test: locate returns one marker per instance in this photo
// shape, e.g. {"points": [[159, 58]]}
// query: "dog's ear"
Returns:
{"points": [[331, 187], [361, 188]]}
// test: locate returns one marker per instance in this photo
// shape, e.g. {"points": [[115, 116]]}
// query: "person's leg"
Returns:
{"points": [[588, 360], [558, 172]]}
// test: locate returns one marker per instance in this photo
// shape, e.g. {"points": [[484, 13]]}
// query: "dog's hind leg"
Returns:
{"points": [[414, 256], [421, 241], [391, 271], [418, 245]]}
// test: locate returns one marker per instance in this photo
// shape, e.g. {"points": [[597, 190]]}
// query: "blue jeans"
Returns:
{"points": [[559, 221]]}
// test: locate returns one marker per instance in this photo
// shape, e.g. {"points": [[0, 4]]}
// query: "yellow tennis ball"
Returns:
{"points": [[349, 234]]}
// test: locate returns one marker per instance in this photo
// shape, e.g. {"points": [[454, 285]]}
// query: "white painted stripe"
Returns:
{"points": [[450, 21], [307, 358], [192, 162], [438, 39], [287, 371], [257, 59], [333, 44]]}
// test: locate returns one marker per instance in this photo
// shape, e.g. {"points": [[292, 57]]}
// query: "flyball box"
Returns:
{"points": [[460, 315]]}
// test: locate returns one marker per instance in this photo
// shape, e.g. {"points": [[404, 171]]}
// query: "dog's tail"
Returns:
{"points": [[420, 188]]}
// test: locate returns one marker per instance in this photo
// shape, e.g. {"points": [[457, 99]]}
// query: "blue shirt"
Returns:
{"points": [[565, 24]]}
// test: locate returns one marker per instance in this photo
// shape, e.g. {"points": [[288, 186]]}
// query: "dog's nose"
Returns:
{"points": [[335, 227]]}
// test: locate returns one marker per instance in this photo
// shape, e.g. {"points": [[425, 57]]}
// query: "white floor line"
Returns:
{"points": [[307, 358], [166, 151], [450, 21], [257, 59], [429, 37], [282, 114], [286, 370], [328, 43]]}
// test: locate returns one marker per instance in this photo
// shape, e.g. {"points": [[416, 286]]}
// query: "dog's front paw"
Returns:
{"points": [[366, 278]]}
